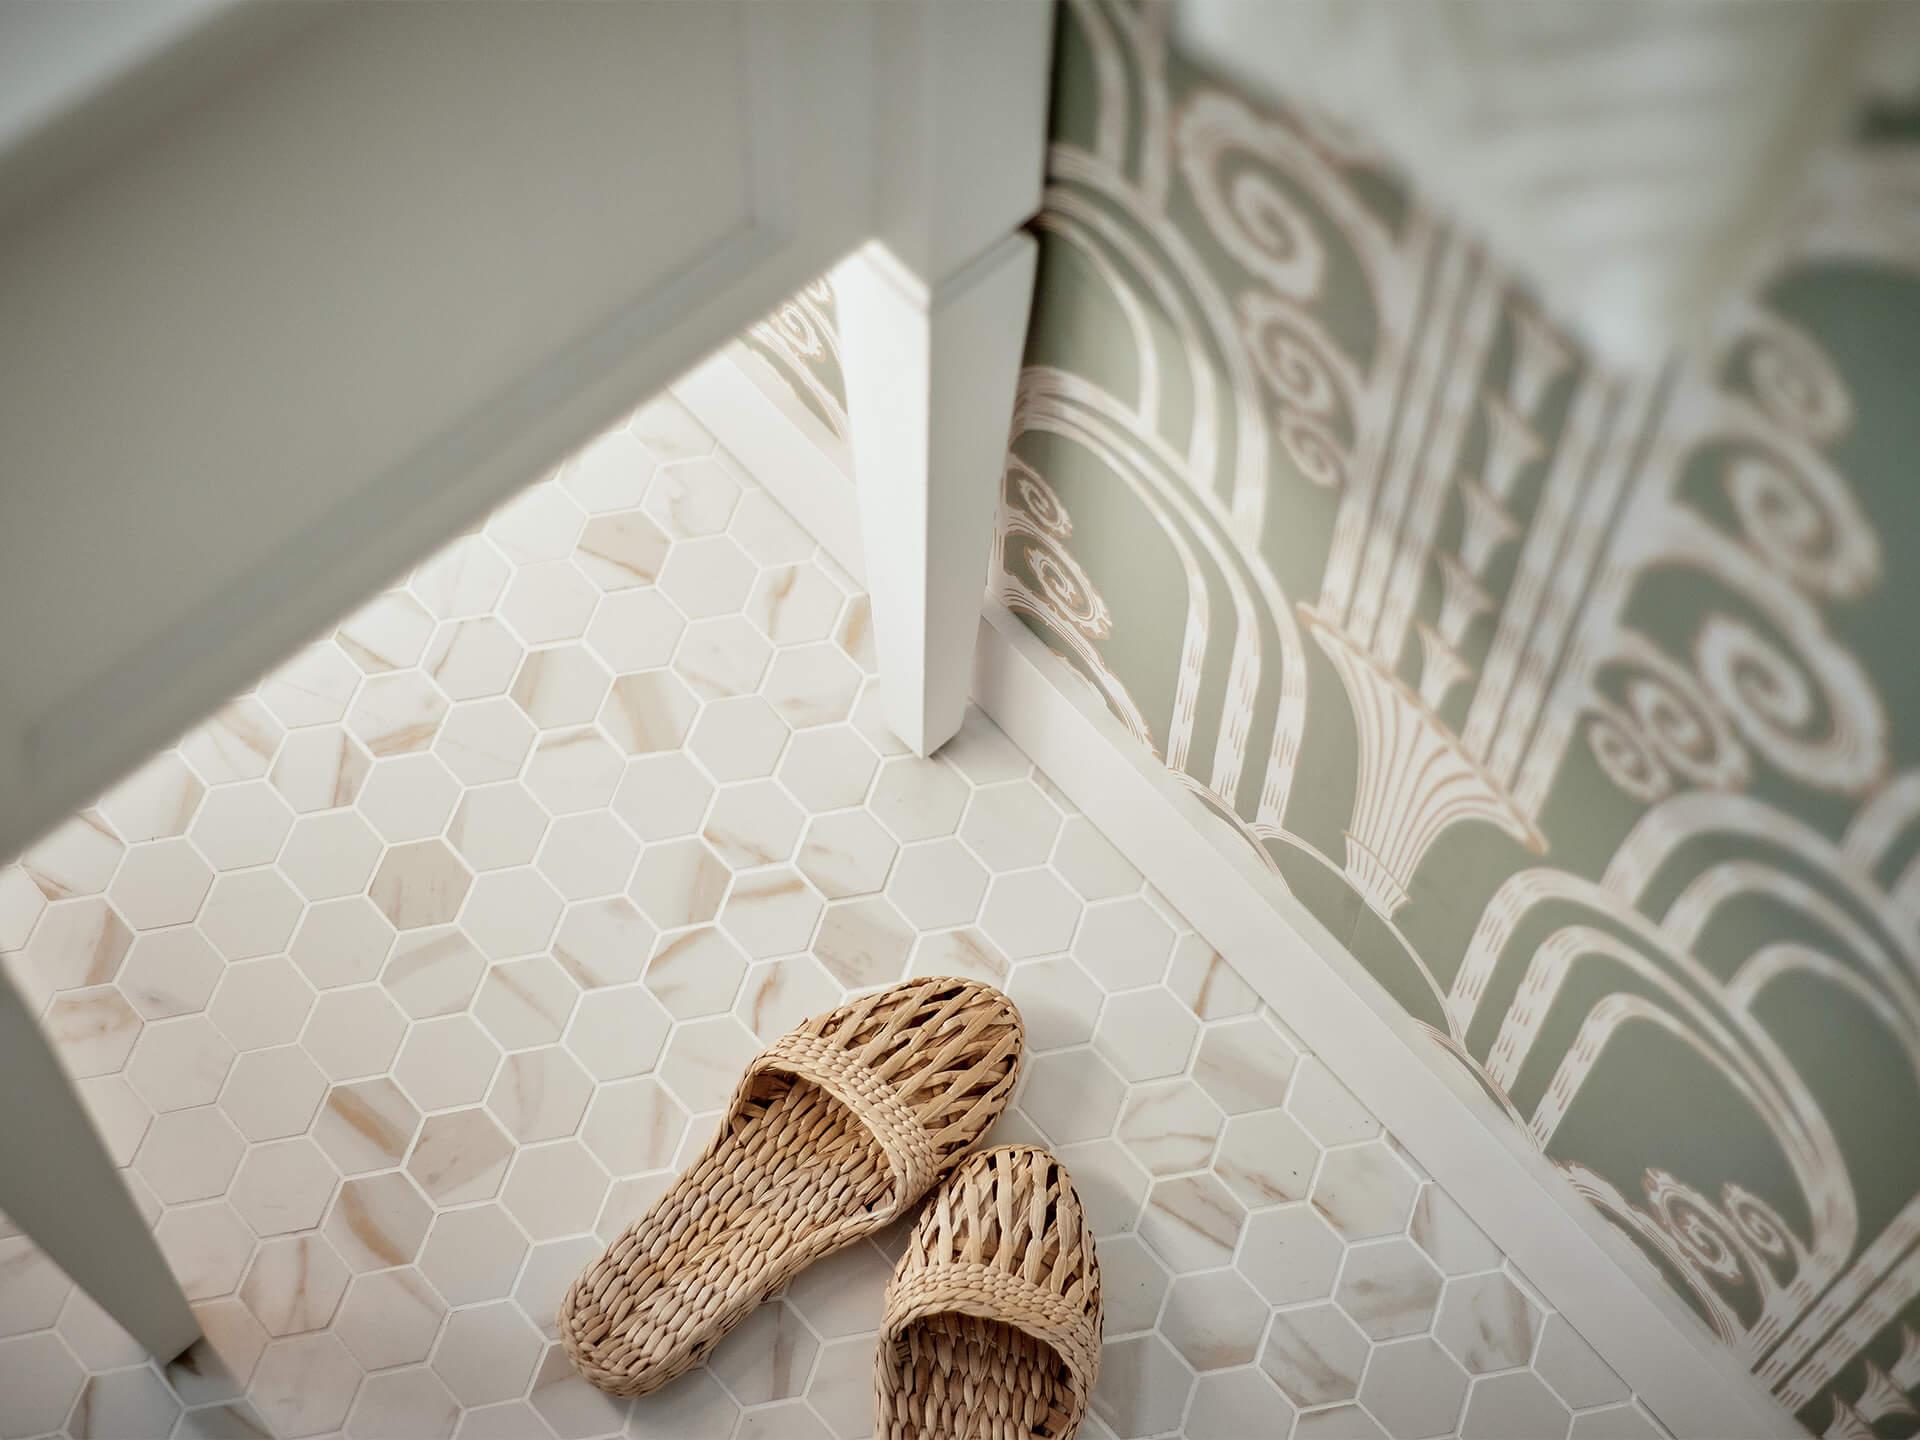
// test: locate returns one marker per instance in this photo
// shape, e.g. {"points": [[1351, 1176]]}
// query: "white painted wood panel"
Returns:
{"points": [[325, 315]]}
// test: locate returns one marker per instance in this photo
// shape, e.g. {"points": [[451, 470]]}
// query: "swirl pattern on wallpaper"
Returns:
{"points": [[1581, 690]]}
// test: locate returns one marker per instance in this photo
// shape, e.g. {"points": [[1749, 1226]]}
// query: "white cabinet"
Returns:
{"points": [[291, 293]]}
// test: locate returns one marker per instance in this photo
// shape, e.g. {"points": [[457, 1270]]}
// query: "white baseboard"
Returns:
{"points": [[1595, 1277]]}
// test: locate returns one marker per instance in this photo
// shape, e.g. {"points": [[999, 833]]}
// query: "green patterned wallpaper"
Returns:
{"points": [[1582, 706]]}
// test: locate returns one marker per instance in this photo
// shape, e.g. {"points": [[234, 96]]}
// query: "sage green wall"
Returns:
{"points": [[1582, 706]]}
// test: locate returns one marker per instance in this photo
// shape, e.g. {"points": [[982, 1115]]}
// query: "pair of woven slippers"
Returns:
{"points": [[991, 1327]]}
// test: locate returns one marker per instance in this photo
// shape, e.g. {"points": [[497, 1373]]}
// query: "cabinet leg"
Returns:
{"points": [[930, 374]]}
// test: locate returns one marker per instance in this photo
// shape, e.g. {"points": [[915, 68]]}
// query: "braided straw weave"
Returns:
{"points": [[833, 1131], [992, 1324]]}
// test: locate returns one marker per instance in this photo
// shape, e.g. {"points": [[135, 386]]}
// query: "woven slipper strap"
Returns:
{"points": [[968, 1288], [909, 1149]]}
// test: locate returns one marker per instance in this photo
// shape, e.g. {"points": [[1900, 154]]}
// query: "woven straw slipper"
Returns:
{"points": [[835, 1129], [992, 1320]]}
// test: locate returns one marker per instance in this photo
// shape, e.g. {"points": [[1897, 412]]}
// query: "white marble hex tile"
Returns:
{"points": [[633, 1126], [366, 1125], [1365, 1191], [314, 688], [1124, 943], [170, 972], [540, 1094], [560, 686], [794, 604], [618, 1031], [693, 496], [707, 576], [40, 1379], [510, 913], [1143, 1386], [320, 768], [813, 685], [408, 797], [403, 1402], [739, 738], [74, 943], [918, 799], [754, 823], [555, 1189], [967, 952], [487, 1353], [156, 801], [474, 659], [621, 551], [1266, 1158], [396, 714], [1234, 1404], [1071, 1095], [92, 1030], [354, 1032], [464, 578], [495, 826], [771, 912], [341, 942], [767, 1357], [161, 882], [588, 855], [284, 1186], [828, 767], [1215, 1320], [548, 601], [1488, 1323], [721, 657], [611, 473], [484, 740], [1500, 1407], [179, 1063], [1244, 1065], [377, 1222], [446, 1062], [778, 994], [1192, 1221], [1149, 1035], [1326, 1108], [390, 632], [294, 1284], [1413, 1387], [847, 853], [1010, 826], [419, 884], [432, 972], [474, 1254], [390, 1318], [120, 1115], [695, 972], [460, 1155], [1206, 984], [863, 941], [207, 1246], [635, 630], [189, 1155], [1389, 1289], [273, 1094], [679, 883], [1170, 1127], [404, 983], [1029, 913], [77, 858], [937, 884]]}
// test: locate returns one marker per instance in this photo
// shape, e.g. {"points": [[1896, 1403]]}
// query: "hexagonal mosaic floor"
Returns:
{"points": [[404, 983]]}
